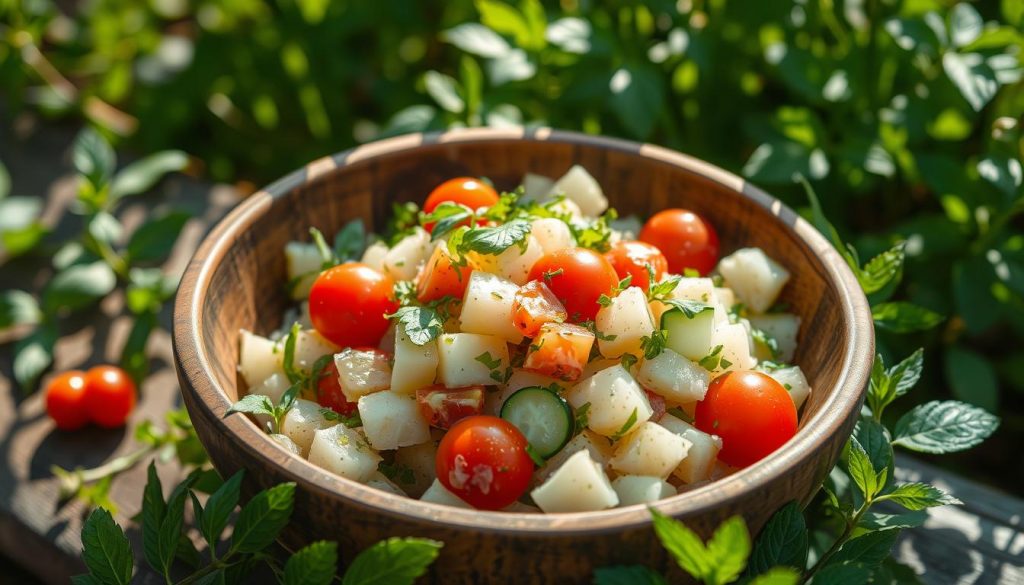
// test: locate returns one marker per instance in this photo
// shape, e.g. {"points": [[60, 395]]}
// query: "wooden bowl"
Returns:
{"points": [[236, 281]]}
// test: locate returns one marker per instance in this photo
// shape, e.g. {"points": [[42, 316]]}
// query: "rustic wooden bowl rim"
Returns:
{"points": [[844, 399]]}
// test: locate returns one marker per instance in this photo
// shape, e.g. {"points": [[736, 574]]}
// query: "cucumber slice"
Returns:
{"points": [[543, 417], [689, 329]]}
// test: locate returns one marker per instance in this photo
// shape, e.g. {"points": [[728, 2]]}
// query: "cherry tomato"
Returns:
{"points": [[751, 412], [639, 260], [65, 400], [440, 278], [329, 394], [348, 304], [483, 460], [443, 407], [109, 396], [686, 240], [533, 306], [657, 405], [473, 193], [578, 277]]}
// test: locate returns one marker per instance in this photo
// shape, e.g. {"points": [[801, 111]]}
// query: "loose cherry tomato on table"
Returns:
{"points": [[639, 260], [751, 412], [686, 240], [329, 394], [473, 193], [533, 306], [348, 304], [443, 407], [483, 460], [65, 400], [109, 396], [578, 277]]}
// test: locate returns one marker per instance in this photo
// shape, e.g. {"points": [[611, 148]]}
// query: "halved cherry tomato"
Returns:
{"points": [[443, 407], [657, 404], [65, 400], [533, 306], [329, 394], [440, 277], [686, 240], [473, 193], [348, 304], [751, 412], [639, 260], [483, 460], [109, 396], [560, 350], [578, 277]]}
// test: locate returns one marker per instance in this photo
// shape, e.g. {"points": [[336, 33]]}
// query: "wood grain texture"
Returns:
{"points": [[235, 281]]}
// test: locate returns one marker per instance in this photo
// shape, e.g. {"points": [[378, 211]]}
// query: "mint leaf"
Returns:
{"points": [[218, 509], [627, 575], [683, 544], [446, 217], [252, 404], [169, 537], [882, 269], [918, 496], [33, 355], [711, 361], [288, 362], [495, 240], [943, 427], [154, 240], [777, 576], [844, 574], [728, 550], [314, 564], [105, 549], [93, 157], [263, 518], [660, 291], [350, 241], [905, 374], [486, 359], [872, 437], [654, 344], [625, 426], [154, 509], [395, 561], [869, 549], [141, 175], [861, 470], [327, 257], [903, 317], [421, 324], [783, 541], [78, 286], [877, 521], [887, 385]]}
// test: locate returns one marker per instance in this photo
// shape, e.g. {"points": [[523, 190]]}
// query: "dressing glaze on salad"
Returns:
{"points": [[528, 352]]}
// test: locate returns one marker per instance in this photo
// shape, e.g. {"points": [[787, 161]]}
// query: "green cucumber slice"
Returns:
{"points": [[543, 417]]}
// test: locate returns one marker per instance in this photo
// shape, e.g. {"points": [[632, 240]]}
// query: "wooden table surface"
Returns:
{"points": [[979, 542]]}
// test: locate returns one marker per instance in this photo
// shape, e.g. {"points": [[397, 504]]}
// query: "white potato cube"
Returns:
{"points": [[362, 372], [536, 187], [274, 388], [344, 451], [515, 263], [641, 489], [650, 450], [599, 447], [374, 255], [302, 421], [737, 348], [566, 207], [259, 358], [415, 365], [613, 397], [624, 322], [700, 459], [466, 359], [724, 296], [794, 381], [287, 443], [392, 420], [303, 262], [487, 306], [419, 460], [438, 494], [701, 290], [674, 377], [380, 481], [552, 234], [403, 261], [311, 346], [755, 278], [783, 328], [582, 189], [579, 485]]}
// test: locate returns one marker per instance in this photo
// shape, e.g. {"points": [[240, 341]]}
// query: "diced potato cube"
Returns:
{"points": [[641, 489], [613, 397], [438, 494], [674, 377], [362, 372], [380, 481], [467, 359], [566, 207], [794, 381], [783, 328], [755, 278], [344, 451], [419, 460], [701, 290], [487, 306], [536, 187], [582, 189], [599, 447], [303, 262], [552, 234], [725, 297], [624, 323], [311, 346], [302, 421], [737, 349], [579, 485], [374, 255], [650, 450], [515, 263], [415, 365], [274, 388], [287, 443], [392, 420], [259, 358], [700, 460], [403, 261], [560, 350]]}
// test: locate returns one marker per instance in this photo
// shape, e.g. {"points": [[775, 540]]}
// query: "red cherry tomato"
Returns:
{"points": [[443, 407], [65, 400], [348, 304], [109, 396], [578, 277], [533, 306], [473, 193], [751, 412], [329, 394], [483, 460], [639, 260], [440, 278], [686, 240]]}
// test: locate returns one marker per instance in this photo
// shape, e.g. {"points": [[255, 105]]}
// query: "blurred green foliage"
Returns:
{"points": [[904, 114]]}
